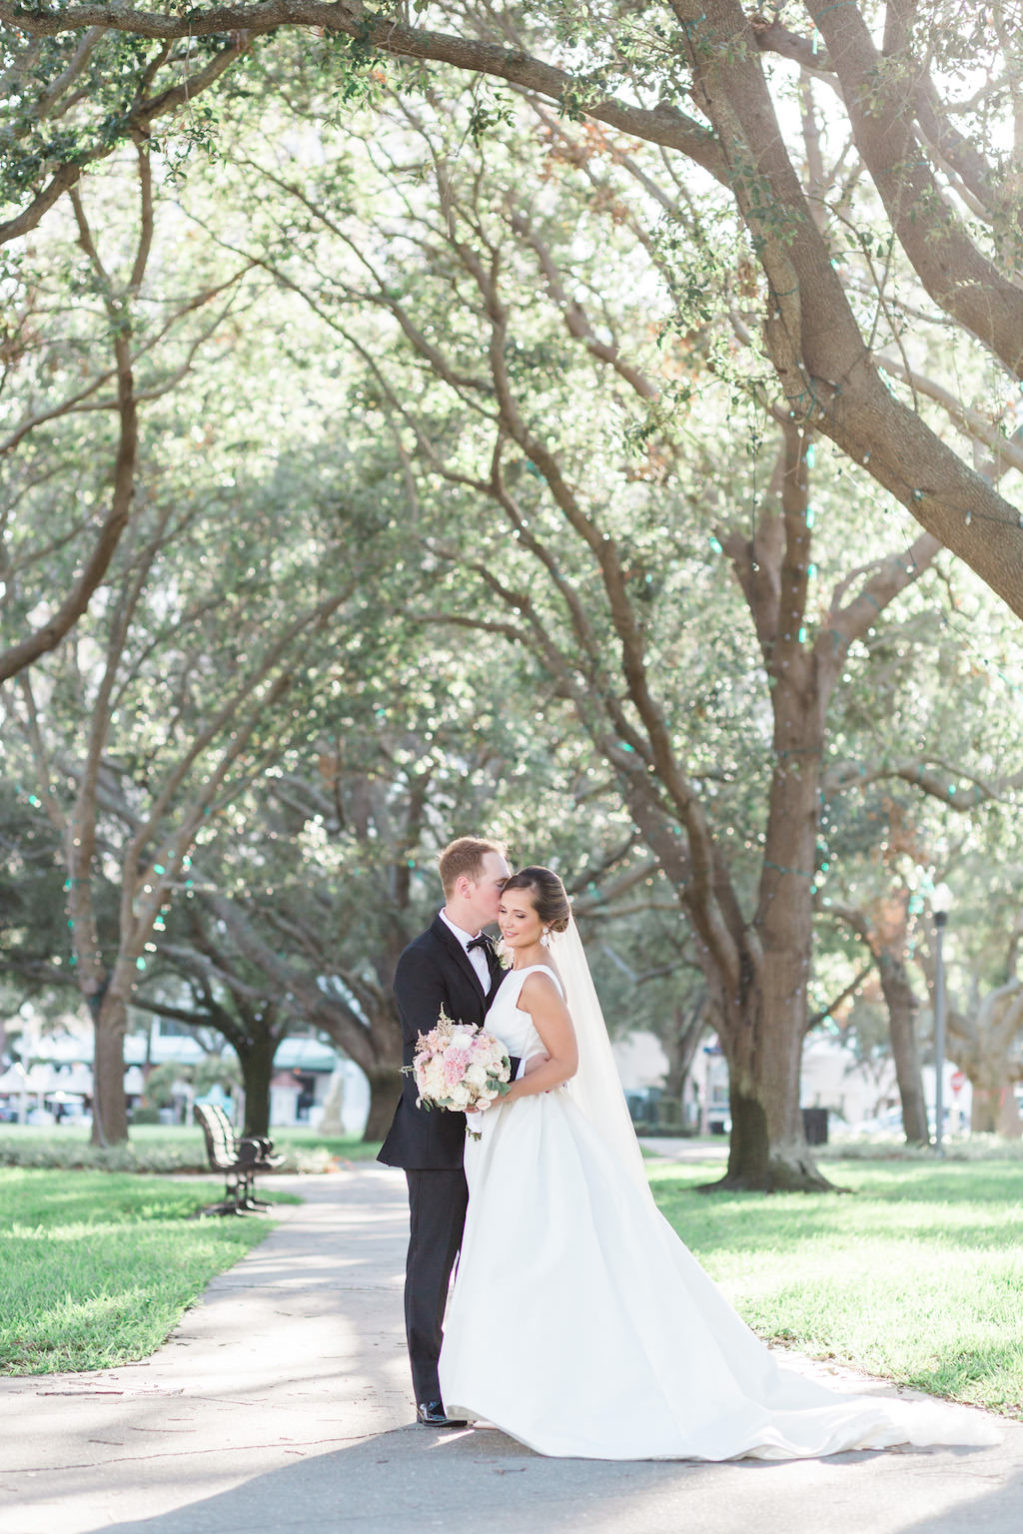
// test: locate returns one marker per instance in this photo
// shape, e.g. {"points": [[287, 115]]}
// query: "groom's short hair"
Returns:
{"points": [[465, 856]]}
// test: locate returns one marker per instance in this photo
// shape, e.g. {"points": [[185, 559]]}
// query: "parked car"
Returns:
{"points": [[885, 1124], [889, 1125]]}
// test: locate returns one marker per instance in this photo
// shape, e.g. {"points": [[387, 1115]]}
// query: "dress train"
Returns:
{"points": [[581, 1325]]}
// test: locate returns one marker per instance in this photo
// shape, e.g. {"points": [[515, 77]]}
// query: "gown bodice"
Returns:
{"points": [[506, 1020]]}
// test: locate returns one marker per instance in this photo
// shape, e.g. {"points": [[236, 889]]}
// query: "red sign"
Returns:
{"points": [[958, 1081]]}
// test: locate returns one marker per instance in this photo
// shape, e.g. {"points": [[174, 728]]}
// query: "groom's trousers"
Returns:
{"points": [[437, 1203]]}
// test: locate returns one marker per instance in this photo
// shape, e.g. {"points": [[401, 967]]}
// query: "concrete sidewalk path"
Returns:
{"points": [[282, 1404]]}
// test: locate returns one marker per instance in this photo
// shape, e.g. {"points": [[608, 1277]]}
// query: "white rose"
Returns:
{"points": [[433, 1079]]}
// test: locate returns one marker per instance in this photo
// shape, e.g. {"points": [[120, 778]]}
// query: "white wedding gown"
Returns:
{"points": [[580, 1324]]}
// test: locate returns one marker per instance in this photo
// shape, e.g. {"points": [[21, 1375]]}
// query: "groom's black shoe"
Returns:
{"points": [[432, 1414]]}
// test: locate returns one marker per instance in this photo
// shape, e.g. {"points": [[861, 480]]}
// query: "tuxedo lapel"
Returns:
{"points": [[452, 946], [497, 974]]}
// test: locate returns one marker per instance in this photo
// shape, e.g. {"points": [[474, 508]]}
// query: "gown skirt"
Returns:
{"points": [[580, 1324]]}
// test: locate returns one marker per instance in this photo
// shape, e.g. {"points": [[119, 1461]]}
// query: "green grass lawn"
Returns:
{"points": [[163, 1148], [96, 1268], [916, 1276]]}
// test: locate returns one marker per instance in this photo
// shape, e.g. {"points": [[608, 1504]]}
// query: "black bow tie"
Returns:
{"points": [[483, 941]]}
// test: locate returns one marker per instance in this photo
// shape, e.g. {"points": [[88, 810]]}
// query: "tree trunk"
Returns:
{"points": [[765, 1025], [756, 1163], [994, 1110], [763, 1010], [257, 1062], [762, 1028], [109, 1105], [902, 1005], [767, 1151], [986, 1046], [385, 1083], [680, 1040]]}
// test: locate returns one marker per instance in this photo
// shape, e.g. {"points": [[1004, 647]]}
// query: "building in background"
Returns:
{"points": [[858, 1098], [56, 1084], [314, 1084]]}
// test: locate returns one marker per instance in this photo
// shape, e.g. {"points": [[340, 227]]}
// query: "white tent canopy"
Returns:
{"points": [[14, 1080]]}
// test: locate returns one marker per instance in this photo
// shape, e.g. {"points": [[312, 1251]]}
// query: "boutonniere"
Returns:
{"points": [[502, 955]]}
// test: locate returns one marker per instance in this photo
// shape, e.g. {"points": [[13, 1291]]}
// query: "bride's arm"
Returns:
{"points": [[539, 997], [532, 1064]]}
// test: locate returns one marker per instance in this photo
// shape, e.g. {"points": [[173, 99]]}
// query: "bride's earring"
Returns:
{"points": [[545, 937]]}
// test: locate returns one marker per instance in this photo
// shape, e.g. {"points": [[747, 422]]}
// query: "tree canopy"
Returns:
{"points": [[864, 150], [597, 425]]}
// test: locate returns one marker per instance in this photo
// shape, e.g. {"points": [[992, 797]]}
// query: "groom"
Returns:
{"points": [[451, 965]]}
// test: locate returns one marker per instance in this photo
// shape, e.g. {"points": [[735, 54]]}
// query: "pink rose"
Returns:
{"points": [[455, 1062]]}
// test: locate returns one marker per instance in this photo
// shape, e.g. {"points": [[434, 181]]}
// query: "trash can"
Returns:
{"points": [[815, 1126]]}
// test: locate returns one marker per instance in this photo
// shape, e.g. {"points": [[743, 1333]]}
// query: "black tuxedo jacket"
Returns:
{"points": [[433, 972]]}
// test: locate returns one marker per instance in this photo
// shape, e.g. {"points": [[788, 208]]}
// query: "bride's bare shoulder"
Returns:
{"points": [[539, 986]]}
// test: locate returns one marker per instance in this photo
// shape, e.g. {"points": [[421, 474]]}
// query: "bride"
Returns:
{"points": [[579, 1323]]}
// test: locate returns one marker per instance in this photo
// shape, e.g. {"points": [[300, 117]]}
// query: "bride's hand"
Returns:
{"points": [[532, 1064]]}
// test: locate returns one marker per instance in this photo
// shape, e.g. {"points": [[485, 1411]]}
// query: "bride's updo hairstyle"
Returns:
{"points": [[549, 898]]}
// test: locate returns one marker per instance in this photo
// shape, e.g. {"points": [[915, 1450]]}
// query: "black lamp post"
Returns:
{"points": [[941, 901]]}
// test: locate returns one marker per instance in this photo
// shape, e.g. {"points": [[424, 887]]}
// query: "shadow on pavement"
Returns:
{"points": [[984, 1512], [410, 1479]]}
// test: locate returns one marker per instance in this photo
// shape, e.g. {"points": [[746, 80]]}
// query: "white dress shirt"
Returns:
{"points": [[477, 958]]}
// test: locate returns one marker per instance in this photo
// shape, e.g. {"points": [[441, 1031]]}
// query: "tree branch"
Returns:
{"points": [[663, 124]]}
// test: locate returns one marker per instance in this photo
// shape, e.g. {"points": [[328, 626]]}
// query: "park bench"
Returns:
{"points": [[239, 1158]]}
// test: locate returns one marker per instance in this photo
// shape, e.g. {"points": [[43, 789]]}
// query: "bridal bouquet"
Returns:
{"points": [[460, 1067]]}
